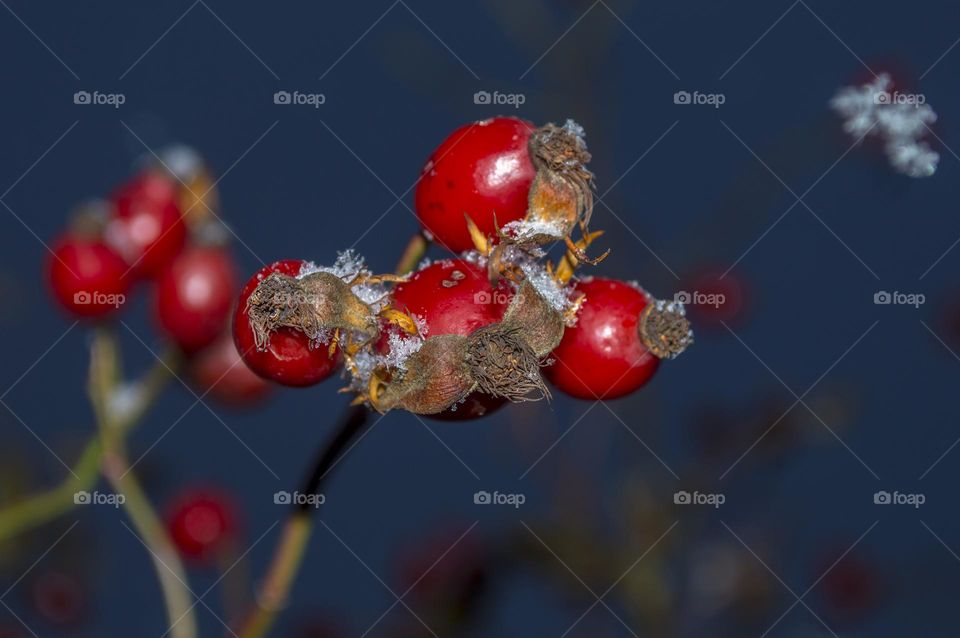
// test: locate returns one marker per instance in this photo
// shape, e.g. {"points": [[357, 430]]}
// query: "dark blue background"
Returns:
{"points": [[320, 179]]}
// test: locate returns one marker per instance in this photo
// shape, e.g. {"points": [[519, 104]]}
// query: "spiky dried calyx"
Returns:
{"points": [[664, 328], [562, 191], [314, 304]]}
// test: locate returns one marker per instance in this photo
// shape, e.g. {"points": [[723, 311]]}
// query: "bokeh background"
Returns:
{"points": [[799, 401]]}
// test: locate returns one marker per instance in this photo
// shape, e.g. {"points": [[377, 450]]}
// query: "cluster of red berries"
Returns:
{"points": [[459, 337], [156, 232]]}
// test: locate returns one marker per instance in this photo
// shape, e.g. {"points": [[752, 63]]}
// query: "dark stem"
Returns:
{"points": [[354, 421]]}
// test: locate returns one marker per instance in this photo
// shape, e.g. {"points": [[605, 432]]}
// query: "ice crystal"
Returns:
{"points": [[524, 230], [351, 267], [870, 109]]}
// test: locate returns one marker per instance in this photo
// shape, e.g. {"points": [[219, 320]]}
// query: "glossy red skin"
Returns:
{"points": [[201, 522], [147, 227], [482, 169], [602, 357], [219, 372], [458, 309], [289, 359], [194, 297], [84, 266]]}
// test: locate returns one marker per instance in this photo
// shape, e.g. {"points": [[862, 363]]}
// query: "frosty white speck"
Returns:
{"points": [[349, 267], [524, 230], [868, 110]]}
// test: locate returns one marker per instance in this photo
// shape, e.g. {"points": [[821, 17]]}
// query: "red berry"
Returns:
{"points": [[220, 372], [58, 597], [194, 297], [482, 170], [147, 227], [455, 297], [87, 277], [289, 358], [201, 522], [603, 356]]}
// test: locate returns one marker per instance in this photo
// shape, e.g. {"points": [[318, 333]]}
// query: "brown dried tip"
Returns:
{"points": [[664, 328], [315, 304], [502, 364], [562, 192]]}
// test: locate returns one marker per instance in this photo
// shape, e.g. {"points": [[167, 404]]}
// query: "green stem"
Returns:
{"points": [[38, 509], [104, 376], [413, 254]]}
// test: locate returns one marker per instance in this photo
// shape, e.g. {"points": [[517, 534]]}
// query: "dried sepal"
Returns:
{"points": [[503, 364], [562, 191], [576, 253], [314, 304], [400, 319], [664, 328]]}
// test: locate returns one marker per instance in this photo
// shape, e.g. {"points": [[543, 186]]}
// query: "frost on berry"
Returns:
{"points": [[870, 109]]}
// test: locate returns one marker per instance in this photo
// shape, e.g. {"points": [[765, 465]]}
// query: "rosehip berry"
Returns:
{"points": [[289, 357], [194, 297], [147, 227], [455, 297], [220, 372], [87, 277], [615, 346], [482, 170], [201, 522]]}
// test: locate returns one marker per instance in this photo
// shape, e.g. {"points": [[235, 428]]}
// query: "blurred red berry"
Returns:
{"points": [[851, 586], [447, 568], [147, 226], [201, 522], [289, 358], [713, 298], [220, 372], [58, 597], [455, 297], [87, 277], [482, 170], [603, 356], [194, 297]]}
